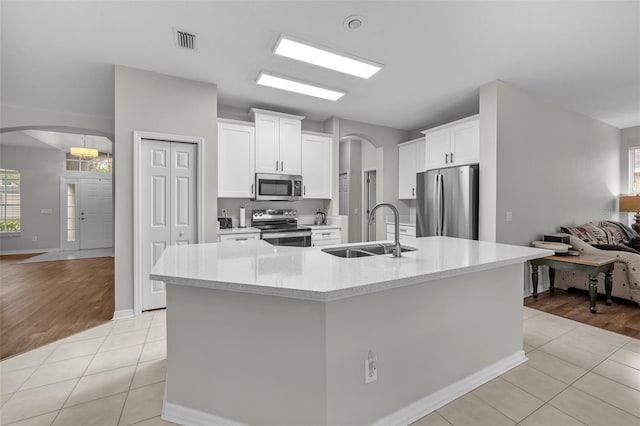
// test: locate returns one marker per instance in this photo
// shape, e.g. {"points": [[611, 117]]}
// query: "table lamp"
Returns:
{"points": [[631, 203]]}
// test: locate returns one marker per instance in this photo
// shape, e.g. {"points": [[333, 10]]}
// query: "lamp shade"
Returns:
{"points": [[629, 203], [84, 152]]}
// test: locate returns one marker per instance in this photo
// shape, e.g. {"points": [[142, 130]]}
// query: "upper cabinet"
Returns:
{"points": [[316, 165], [453, 144], [278, 142], [411, 160], [236, 159]]}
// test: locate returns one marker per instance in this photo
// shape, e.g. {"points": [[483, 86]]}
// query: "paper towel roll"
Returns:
{"points": [[242, 223]]}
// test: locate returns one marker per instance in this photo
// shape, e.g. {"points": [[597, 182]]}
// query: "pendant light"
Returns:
{"points": [[83, 151]]}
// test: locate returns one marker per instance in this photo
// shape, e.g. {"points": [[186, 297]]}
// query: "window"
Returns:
{"points": [[9, 201], [634, 170], [101, 164]]}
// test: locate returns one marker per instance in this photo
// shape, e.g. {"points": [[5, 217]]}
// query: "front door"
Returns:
{"points": [[169, 174], [96, 213]]}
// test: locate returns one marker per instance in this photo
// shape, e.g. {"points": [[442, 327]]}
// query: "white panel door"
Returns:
{"points": [[95, 213], [168, 208]]}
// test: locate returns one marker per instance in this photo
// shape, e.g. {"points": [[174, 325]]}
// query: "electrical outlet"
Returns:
{"points": [[509, 216], [34, 238], [370, 368]]}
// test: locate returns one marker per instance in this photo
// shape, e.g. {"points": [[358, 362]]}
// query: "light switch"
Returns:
{"points": [[509, 217]]}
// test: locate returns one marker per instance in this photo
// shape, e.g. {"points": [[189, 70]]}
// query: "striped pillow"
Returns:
{"points": [[589, 233]]}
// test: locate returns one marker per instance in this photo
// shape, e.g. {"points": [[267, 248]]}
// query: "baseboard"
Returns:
{"points": [[124, 313], [424, 406], [188, 416], [28, 251]]}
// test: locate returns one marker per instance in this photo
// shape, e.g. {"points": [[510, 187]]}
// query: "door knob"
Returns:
{"points": [[181, 233]]}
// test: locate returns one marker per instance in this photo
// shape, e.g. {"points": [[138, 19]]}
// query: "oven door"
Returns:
{"points": [[291, 239]]}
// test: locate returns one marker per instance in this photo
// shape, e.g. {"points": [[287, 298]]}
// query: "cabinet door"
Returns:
{"points": [[465, 142], [437, 146], [236, 156], [407, 170], [316, 166], [267, 144], [290, 146]]}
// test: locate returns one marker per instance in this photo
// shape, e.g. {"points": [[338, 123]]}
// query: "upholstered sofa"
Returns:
{"points": [[610, 239]]}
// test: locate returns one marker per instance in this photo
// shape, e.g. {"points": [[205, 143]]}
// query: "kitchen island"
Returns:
{"points": [[269, 335]]}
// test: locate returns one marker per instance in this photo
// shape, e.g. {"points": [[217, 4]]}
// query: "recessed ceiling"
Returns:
{"points": [[582, 55], [54, 140]]}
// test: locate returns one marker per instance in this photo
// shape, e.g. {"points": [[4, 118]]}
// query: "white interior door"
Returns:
{"points": [[94, 202], [169, 204]]}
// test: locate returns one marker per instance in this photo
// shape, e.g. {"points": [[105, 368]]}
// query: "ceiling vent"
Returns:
{"points": [[185, 39]]}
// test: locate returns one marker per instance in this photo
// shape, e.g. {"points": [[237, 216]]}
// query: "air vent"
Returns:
{"points": [[185, 39]]}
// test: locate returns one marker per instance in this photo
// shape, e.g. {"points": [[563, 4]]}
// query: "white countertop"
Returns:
{"points": [[309, 273], [235, 230], [320, 227]]}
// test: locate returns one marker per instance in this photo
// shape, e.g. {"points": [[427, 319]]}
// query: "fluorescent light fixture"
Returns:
{"points": [[323, 57], [286, 83]]}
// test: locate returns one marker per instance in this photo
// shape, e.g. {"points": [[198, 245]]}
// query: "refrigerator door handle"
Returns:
{"points": [[436, 204], [441, 206]]}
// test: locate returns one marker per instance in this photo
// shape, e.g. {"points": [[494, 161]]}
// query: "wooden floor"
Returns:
{"points": [[622, 316], [46, 301]]}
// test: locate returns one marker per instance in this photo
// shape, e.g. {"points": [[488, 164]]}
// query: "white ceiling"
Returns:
{"points": [[583, 55]]}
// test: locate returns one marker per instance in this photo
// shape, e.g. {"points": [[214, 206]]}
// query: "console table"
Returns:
{"points": [[589, 263]]}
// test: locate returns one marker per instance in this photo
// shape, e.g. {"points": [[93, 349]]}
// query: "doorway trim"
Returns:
{"points": [[138, 137]]}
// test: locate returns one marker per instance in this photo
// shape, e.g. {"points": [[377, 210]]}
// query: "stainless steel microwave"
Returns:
{"points": [[276, 187]]}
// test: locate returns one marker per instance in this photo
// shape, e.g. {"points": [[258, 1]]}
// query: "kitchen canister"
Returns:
{"points": [[242, 222]]}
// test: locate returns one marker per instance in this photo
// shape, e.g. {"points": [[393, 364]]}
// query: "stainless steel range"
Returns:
{"points": [[280, 227]]}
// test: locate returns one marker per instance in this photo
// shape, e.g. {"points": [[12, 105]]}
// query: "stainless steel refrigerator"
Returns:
{"points": [[447, 202]]}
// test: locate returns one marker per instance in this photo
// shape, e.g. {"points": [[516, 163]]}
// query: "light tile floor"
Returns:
{"points": [[114, 375]]}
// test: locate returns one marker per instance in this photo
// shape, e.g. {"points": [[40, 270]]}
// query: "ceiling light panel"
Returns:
{"points": [[323, 57], [290, 85]]}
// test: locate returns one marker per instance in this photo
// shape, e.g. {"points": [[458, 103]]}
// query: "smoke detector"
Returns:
{"points": [[185, 39], [353, 22]]}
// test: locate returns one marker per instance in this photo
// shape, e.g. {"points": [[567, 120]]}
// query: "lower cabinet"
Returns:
{"points": [[407, 233], [326, 237], [239, 237]]}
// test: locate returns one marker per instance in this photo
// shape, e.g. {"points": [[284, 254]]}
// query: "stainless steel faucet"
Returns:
{"points": [[397, 251]]}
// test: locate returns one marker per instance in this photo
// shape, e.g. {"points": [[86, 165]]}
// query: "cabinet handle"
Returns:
{"points": [[251, 189], [413, 192], [282, 166], [451, 156], [403, 230], [446, 158], [304, 190], [276, 165], [326, 234], [241, 239]]}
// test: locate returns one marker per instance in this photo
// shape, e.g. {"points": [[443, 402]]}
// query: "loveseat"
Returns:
{"points": [[608, 239]]}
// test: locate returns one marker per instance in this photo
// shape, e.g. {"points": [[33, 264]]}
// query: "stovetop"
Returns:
{"points": [[276, 220]]}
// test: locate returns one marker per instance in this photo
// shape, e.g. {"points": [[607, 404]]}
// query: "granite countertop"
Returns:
{"points": [[309, 273]]}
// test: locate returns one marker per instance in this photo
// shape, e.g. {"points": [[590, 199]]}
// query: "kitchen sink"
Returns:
{"points": [[364, 250]]}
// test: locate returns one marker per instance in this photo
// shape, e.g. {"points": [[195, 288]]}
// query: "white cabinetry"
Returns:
{"points": [[316, 165], [239, 237], [236, 159], [326, 236], [407, 232], [453, 144], [411, 157], [278, 142]]}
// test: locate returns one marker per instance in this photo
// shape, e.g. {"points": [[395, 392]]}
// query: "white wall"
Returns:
{"points": [[40, 171], [242, 114], [553, 167], [158, 103]]}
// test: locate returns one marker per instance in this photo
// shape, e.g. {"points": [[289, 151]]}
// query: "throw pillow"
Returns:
{"points": [[588, 233], [614, 233]]}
